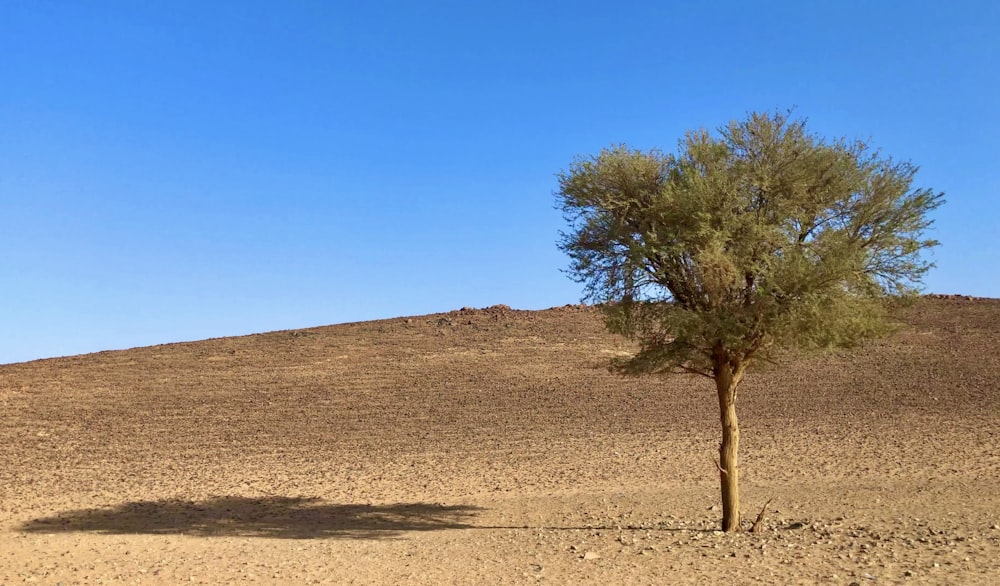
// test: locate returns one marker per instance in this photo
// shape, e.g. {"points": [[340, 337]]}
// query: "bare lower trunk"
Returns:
{"points": [[729, 471], [726, 381]]}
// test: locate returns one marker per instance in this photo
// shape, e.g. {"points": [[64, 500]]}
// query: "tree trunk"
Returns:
{"points": [[729, 472]]}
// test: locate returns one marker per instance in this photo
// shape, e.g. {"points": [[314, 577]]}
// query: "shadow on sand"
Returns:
{"points": [[276, 517]]}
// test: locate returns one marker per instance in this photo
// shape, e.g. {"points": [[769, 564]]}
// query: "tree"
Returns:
{"points": [[760, 237]]}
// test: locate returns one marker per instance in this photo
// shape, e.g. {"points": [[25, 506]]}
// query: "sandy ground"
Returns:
{"points": [[493, 447]]}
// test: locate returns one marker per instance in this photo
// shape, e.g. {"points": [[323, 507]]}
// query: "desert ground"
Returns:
{"points": [[493, 446]]}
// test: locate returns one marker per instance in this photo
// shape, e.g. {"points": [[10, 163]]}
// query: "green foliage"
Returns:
{"points": [[760, 236]]}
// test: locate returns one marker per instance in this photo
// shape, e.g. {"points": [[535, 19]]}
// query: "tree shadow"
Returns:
{"points": [[273, 517]]}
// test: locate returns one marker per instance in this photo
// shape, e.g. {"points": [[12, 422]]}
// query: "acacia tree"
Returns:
{"points": [[759, 237]]}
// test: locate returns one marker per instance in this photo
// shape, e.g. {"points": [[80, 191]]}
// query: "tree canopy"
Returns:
{"points": [[761, 236]]}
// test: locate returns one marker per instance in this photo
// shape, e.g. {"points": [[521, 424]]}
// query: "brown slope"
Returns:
{"points": [[517, 404]]}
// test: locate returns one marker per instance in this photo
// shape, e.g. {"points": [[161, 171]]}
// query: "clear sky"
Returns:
{"points": [[178, 170]]}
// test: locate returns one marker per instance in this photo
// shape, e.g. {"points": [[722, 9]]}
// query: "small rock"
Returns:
{"points": [[591, 555]]}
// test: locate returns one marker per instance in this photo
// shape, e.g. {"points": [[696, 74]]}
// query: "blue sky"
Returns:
{"points": [[178, 170]]}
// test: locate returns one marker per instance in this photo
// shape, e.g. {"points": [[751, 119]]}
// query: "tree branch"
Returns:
{"points": [[690, 370]]}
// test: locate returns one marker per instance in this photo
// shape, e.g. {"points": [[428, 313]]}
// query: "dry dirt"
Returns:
{"points": [[493, 447]]}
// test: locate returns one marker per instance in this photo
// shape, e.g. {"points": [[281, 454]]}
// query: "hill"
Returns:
{"points": [[492, 445]]}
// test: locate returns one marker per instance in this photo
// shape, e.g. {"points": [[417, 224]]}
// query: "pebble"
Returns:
{"points": [[591, 555]]}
